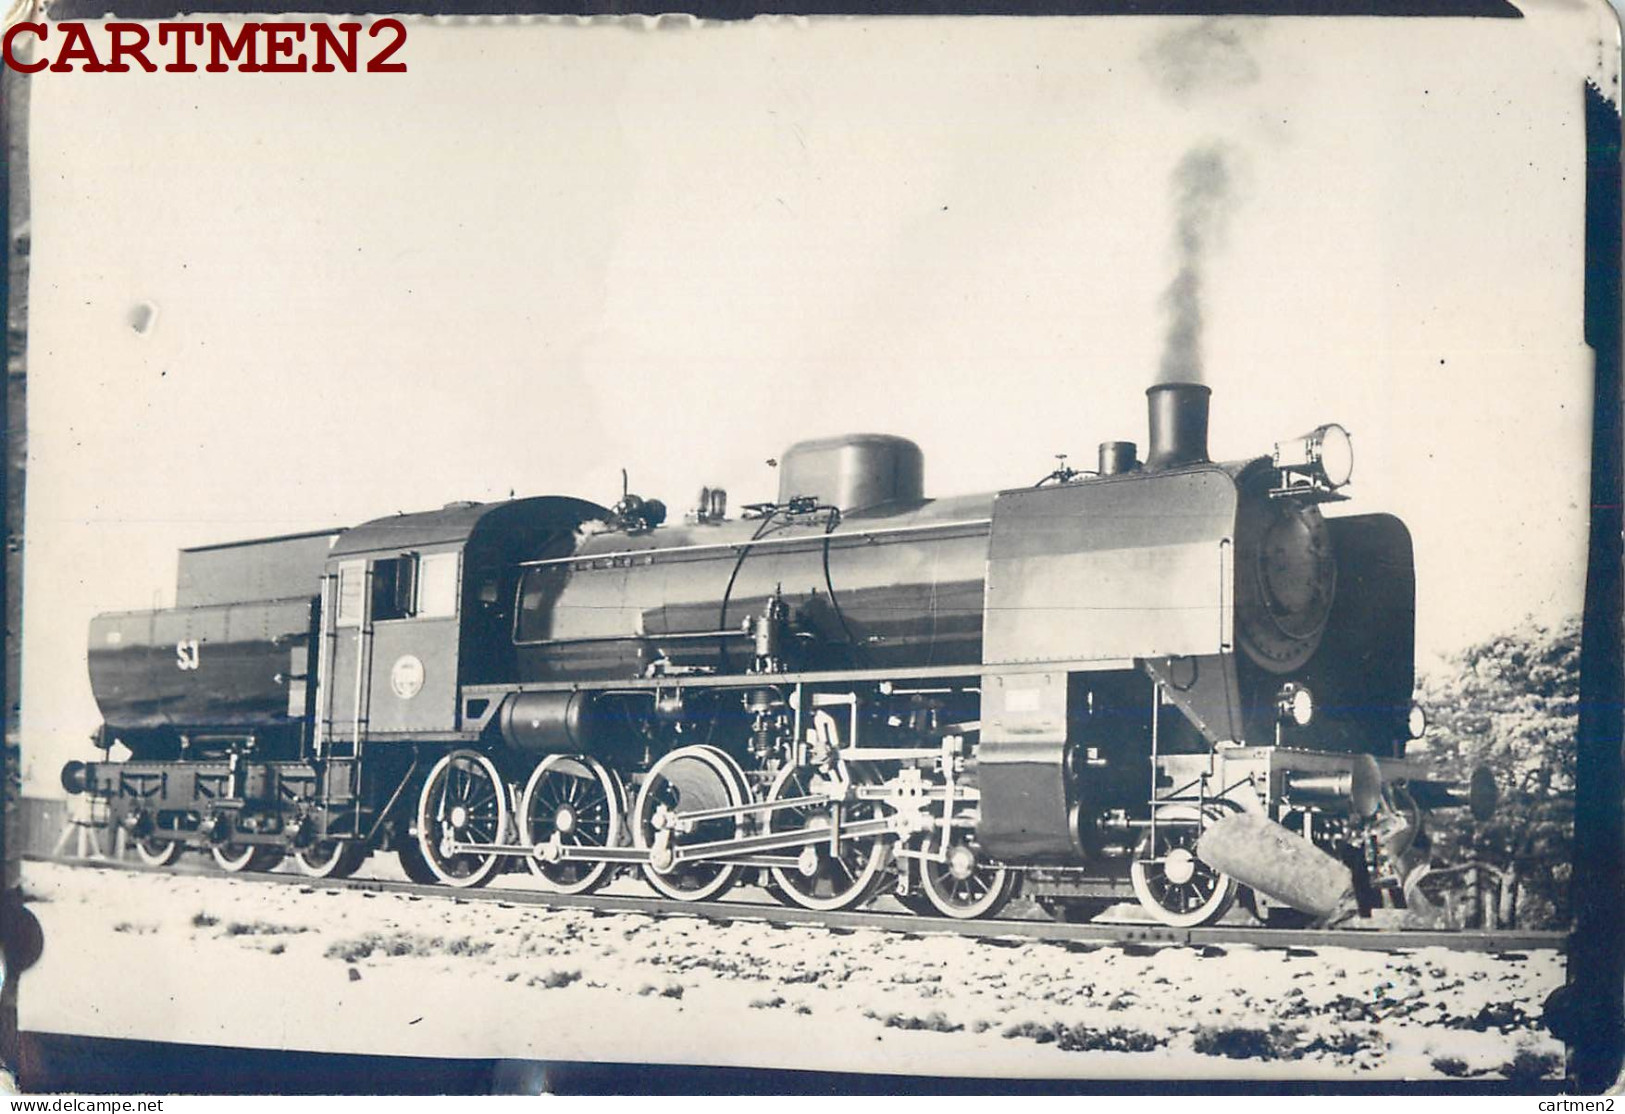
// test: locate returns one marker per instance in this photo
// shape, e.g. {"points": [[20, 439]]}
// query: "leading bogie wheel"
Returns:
{"points": [[464, 800], [690, 779], [965, 885], [331, 858], [240, 858], [824, 878], [581, 804], [1173, 885]]}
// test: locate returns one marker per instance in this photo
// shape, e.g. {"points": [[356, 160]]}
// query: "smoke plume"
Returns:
{"points": [[1215, 56], [1202, 195]]}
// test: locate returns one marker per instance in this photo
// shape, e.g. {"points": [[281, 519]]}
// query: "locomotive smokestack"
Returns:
{"points": [[1178, 414]]}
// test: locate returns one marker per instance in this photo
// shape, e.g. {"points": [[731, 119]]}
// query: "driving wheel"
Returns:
{"points": [[581, 804], [688, 780], [826, 878], [464, 800]]}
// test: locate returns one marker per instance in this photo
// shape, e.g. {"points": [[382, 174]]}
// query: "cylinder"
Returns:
{"points": [[1280, 864], [1117, 457], [549, 722], [1359, 788], [1178, 419]]}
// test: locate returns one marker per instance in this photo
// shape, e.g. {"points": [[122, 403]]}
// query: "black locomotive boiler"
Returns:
{"points": [[852, 690]]}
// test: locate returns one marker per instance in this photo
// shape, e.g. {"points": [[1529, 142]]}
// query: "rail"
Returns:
{"points": [[1042, 931]]}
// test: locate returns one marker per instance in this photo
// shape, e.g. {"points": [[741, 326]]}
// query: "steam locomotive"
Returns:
{"points": [[1072, 687]]}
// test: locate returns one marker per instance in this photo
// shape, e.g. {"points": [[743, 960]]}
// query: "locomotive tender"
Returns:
{"points": [[849, 691]]}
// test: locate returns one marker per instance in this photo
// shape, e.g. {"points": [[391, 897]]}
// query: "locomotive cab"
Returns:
{"points": [[418, 606]]}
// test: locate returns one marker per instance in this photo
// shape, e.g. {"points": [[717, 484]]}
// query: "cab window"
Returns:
{"points": [[394, 583], [437, 586]]}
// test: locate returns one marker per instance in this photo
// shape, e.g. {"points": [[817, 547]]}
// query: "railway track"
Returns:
{"points": [[1048, 931]]}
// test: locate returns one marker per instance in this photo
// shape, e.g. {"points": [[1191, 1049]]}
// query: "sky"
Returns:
{"points": [[556, 248]]}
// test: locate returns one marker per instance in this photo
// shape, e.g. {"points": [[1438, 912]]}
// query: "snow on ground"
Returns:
{"points": [[215, 960]]}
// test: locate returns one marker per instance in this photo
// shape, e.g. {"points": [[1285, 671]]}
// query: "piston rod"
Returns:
{"points": [[723, 850], [686, 821]]}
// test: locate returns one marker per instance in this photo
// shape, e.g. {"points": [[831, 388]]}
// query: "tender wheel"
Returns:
{"points": [[331, 858], [1172, 884], [155, 850], [966, 885], [825, 880], [240, 858], [464, 799], [581, 803], [688, 780]]}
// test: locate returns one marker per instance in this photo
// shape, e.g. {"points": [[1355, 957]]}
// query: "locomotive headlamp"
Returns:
{"points": [[1326, 454], [1295, 704], [1417, 722]]}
